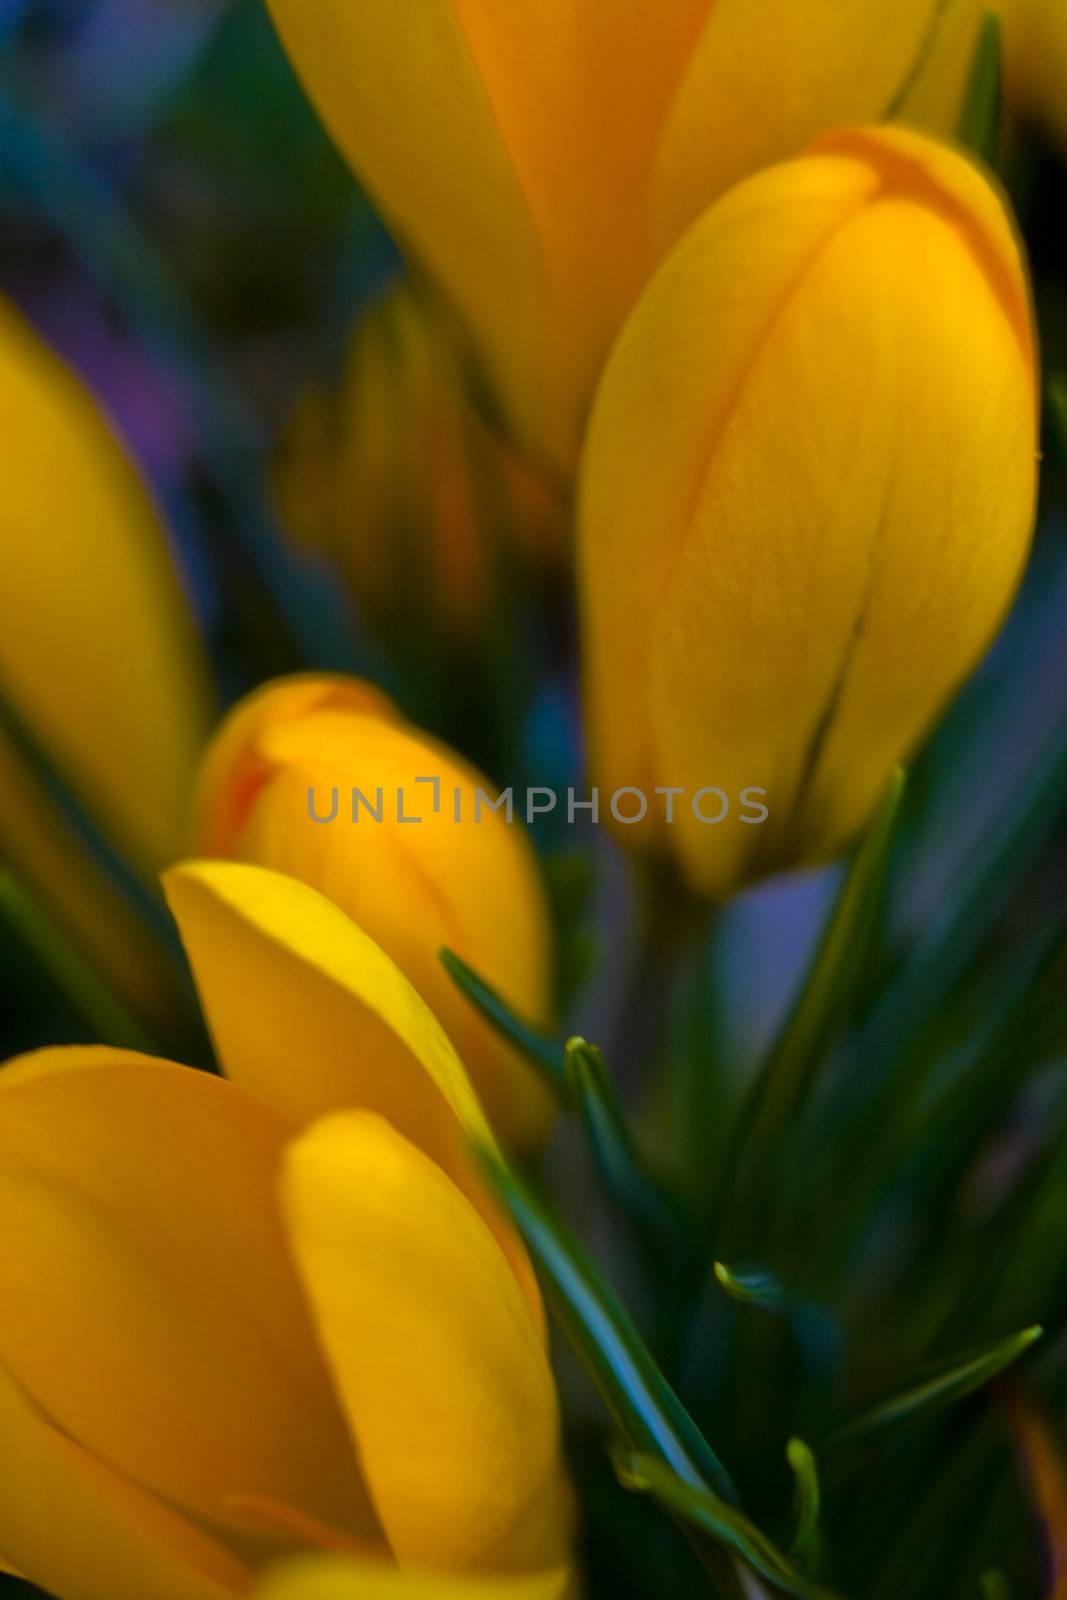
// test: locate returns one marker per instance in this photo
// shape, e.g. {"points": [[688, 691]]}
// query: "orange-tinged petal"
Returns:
{"points": [[139, 1230], [825, 404], [472, 884], [777, 74], [97, 650], [314, 1579], [437, 1359], [309, 1014], [82, 1531]]}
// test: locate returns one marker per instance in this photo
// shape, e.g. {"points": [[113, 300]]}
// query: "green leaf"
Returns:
{"points": [[714, 1518], [617, 1157], [602, 1334], [954, 1381], [89, 998], [807, 1542], [979, 124], [754, 1287], [542, 1051], [785, 1080]]}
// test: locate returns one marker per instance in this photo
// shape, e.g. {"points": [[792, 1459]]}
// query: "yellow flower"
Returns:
{"points": [[538, 159], [807, 497], [399, 478], [98, 656], [326, 1578], [1035, 61], [303, 746], [244, 1319]]}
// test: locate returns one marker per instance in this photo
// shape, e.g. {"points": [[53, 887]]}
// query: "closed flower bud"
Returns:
{"points": [[537, 159], [98, 655], [303, 1325], [396, 474], [320, 778], [807, 497]]}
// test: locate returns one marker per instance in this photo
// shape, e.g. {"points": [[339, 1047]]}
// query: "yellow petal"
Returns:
{"points": [[765, 79], [139, 1229], [825, 406], [472, 885], [537, 158], [309, 1014], [97, 651], [314, 1579], [83, 1531], [437, 1359]]}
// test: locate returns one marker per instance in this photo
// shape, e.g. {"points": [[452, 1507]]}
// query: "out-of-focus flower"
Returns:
{"points": [[538, 160], [301, 1322], [337, 1578], [808, 494], [399, 477], [310, 744], [98, 655], [1035, 61]]}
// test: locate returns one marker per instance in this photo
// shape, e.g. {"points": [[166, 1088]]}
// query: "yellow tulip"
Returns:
{"points": [[98, 656], [538, 159], [301, 1323], [808, 493], [337, 1578], [398, 477], [302, 744], [1035, 62]]}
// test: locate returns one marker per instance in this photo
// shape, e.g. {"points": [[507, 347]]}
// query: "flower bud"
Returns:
{"points": [[807, 497], [396, 475], [320, 778], [98, 655], [538, 159]]}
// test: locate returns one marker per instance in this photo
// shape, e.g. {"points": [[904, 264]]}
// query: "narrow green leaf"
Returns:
{"points": [[86, 993], [754, 1287], [721, 1522], [545, 1053], [617, 1157], [784, 1083], [148, 905], [952, 1382], [979, 124], [602, 1334], [807, 1542]]}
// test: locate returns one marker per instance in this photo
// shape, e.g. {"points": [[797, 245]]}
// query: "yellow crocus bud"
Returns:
{"points": [[321, 778], [1035, 62], [98, 655], [400, 479], [538, 159], [807, 497], [302, 1323]]}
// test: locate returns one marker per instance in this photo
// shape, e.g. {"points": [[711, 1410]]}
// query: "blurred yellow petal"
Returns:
{"points": [[1035, 62], [309, 1014], [400, 477], [83, 1531], [536, 159], [139, 1229], [315, 1579], [825, 405], [97, 650], [472, 884], [436, 1357], [777, 74]]}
